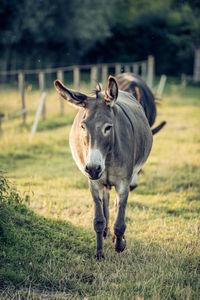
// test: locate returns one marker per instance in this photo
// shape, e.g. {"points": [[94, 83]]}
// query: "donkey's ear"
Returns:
{"points": [[111, 92], [71, 96]]}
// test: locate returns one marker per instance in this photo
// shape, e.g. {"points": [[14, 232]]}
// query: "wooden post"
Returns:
{"points": [[1, 119], [161, 86], [117, 69], [183, 81], [144, 70], [135, 68], [38, 113], [76, 78], [60, 76], [150, 71], [93, 77], [196, 74], [21, 84], [104, 75], [42, 89], [127, 68]]}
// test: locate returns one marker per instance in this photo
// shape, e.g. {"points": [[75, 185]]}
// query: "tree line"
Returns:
{"points": [[40, 34]]}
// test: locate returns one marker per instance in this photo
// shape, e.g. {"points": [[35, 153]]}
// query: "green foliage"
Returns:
{"points": [[35, 34], [39, 252], [168, 32], [63, 29]]}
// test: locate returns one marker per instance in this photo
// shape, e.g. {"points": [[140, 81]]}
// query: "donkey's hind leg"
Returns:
{"points": [[106, 197], [120, 226]]}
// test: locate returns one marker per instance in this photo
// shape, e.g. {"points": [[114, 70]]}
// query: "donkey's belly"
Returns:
{"points": [[134, 179]]}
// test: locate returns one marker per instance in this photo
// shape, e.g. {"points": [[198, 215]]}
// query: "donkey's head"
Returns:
{"points": [[95, 125]]}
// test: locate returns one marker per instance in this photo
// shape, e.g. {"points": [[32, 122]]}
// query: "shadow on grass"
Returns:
{"points": [[49, 124], [173, 180], [55, 123], [15, 156], [43, 257], [167, 210], [39, 252], [36, 157]]}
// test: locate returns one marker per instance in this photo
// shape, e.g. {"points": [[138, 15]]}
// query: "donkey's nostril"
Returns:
{"points": [[99, 168], [87, 169], [93, 171]]}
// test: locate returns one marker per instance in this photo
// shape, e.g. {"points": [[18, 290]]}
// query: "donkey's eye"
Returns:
{"points": [[83, 126], [107, 129]]}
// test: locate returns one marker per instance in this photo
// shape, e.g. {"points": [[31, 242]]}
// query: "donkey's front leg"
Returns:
{"points": [[120, 226], [106, 197], [99, 219]]}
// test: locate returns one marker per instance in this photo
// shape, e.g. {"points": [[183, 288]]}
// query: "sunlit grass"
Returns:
{"points": [[163, 229]]}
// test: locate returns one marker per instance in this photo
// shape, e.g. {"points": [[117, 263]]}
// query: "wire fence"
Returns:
{"points": [[74, 76]]}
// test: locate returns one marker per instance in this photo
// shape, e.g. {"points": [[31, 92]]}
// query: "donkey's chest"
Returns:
{"points": [[112, 176]]}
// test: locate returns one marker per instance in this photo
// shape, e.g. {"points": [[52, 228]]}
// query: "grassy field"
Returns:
{"points": [[46, 215]]}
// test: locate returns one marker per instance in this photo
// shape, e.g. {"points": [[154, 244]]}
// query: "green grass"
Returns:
{"points": [[36, 251], [46, 232]]}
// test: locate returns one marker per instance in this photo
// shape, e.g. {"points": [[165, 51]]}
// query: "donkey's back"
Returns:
{"points": [[137, 87]]}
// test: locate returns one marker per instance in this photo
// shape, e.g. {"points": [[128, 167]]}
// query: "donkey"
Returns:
{"points": [[137, 87], [110, 140]]}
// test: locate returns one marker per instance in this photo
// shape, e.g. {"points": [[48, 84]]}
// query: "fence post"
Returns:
{"points": [[42, 89], [161, 86], [104, 75], [21, 84], [60, 76], [196, 72], [76, 78], [127, 68], [37, 116], [183, 81], [135, 68], [93, 77], [150, 71], [117, 69], [144, 70], [1, 119]]}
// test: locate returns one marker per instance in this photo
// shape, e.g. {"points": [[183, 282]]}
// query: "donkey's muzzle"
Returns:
{"points": [[94, 172]]}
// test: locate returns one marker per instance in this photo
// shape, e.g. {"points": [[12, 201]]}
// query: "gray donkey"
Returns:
{"points": [[110, 141]]}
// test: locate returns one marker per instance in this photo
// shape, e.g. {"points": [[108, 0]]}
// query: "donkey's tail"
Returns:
{"points": [[158, 128]]}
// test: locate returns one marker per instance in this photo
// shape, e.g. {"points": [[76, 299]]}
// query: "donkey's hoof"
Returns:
{"points": [[120, 243], [106, 232], [99, 255]]}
